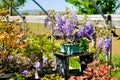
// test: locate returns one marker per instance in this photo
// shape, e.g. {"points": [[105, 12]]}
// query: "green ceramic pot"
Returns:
{"points": [[69, 48]]}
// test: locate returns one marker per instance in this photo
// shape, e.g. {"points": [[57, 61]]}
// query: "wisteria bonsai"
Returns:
{"points": [[70, 28]]}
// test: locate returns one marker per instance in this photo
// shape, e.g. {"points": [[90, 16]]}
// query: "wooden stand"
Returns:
{"points": [[62, 61]]}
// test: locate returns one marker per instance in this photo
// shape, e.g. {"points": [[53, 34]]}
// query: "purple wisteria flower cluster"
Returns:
{"points": [[69, 27], [65, 27], [25, 65], [104, 44], [37, 65], [86, 31]]}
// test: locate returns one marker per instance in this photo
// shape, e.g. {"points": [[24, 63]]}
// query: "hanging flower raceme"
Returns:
{"points": [[70, 26], [46, 21], [90, 28], [25, 72], [37, 65], [64, 27], [60, 26], [86, 31], [107, 45], [59, 21], [100, 44], [104, 44]]}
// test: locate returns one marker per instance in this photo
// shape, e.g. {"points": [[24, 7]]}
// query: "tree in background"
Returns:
{"points": [[86, 6], [12, 3]]}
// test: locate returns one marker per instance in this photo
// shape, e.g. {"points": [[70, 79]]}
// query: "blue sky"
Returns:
{"points": [[57, 5]]}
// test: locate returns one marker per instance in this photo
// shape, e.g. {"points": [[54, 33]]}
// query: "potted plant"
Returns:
{"points": [[76, 36]]}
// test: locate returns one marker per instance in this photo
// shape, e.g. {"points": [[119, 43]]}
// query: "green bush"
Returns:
{"points": [[39, 44]]}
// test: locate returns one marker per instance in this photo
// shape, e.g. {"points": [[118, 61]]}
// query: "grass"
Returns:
{"points": [[38, 28]]}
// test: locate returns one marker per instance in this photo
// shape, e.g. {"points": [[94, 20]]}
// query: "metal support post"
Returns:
{"points": [[109, 22]]}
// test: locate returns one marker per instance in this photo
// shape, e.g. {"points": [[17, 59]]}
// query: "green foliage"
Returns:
{"points": [[25, 13], [83, 44], [40, 44], [116, 66], [86, 6], [102, 31], [18, 76], [116, 61], [52, 77], [74, 63], [101, 57], [116, 73], [15, 3], [41, 13]]}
